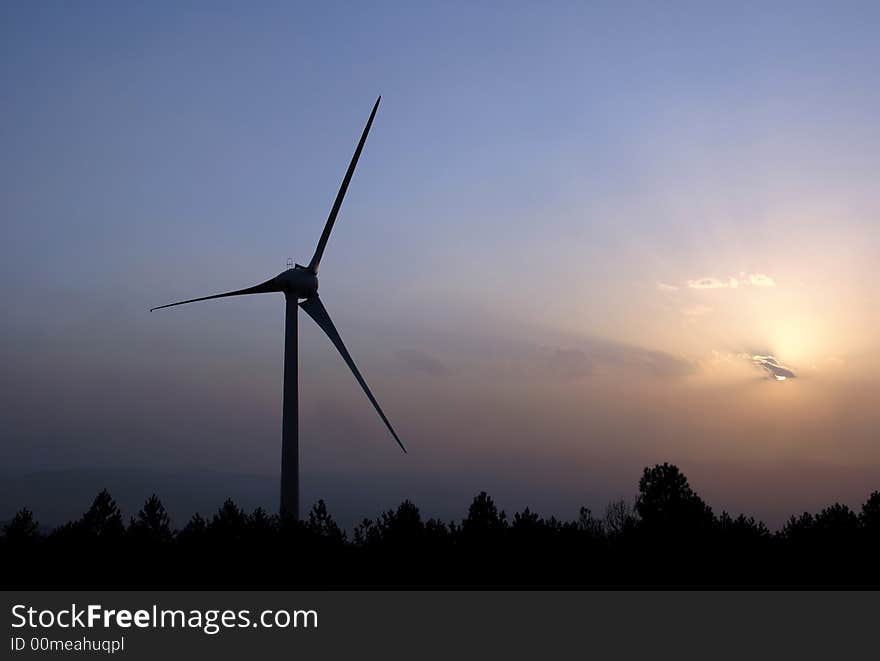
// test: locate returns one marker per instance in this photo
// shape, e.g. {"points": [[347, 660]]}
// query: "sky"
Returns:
{"points": [[582, 239]]}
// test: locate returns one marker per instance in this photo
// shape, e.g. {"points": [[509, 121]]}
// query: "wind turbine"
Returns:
{"points": [[300, 288]]}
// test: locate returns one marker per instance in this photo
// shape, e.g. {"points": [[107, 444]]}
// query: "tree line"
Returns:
{"points": [[667, 537]]}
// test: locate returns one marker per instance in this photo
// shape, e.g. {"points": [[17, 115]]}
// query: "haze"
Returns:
{"points": [[580, 240]]}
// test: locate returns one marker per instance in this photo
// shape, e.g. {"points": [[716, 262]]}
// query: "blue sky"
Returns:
{"points": [[541, 185]]}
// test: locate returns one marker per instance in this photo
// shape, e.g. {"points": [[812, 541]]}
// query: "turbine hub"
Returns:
{"points": [[299, 281]]}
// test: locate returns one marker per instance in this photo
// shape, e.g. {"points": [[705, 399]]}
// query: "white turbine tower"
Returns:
{"points": [[300, 288]]}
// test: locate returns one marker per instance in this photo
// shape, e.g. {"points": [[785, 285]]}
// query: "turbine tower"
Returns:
{"points": [[300, 288]]}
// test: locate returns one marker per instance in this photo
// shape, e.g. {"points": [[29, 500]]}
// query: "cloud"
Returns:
{"points": [[662, 286], [745, 279], [569, 363], [774, 369], [713, 283], [574, 363], [759, 280]]}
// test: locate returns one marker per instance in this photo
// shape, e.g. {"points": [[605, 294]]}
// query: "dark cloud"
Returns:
{"points": [[569, 363], [595, 352], [774, 369]]}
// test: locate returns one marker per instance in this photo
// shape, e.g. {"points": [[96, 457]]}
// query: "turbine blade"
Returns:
{"points": [[322, 242], [266, 287], [316, 310]]}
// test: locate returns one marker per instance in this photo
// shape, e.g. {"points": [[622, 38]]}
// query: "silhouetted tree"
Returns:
{"points": [[666, 503], [436, 533], [589, 525], [23, 529], [670, 537], [194, 531], [322, 525], [480, 540], [799, 529], [620, 518], [837, 521], [820, 549], [869, 523], [152, 524], [402, 526], [869, 517], [483, 519], [526, 523], [261, 526], [229, 523], [742, 529], [365, 533], [103, 520]]}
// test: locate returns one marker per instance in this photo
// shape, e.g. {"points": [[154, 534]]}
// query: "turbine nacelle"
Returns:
{"points": [[298, 281]]}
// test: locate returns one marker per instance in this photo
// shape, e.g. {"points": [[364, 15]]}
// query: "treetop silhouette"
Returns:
{"points": [[670, 536]]}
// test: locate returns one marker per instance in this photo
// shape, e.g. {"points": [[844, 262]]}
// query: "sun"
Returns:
{"points": [[791, 340]]}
